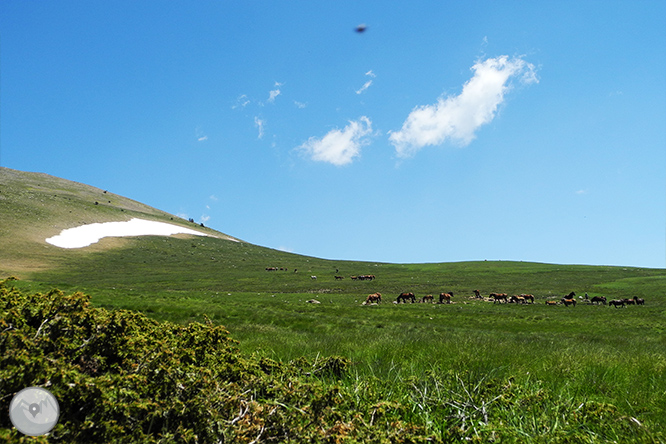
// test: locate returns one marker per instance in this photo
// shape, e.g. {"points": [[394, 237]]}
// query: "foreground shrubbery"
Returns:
{"points": [[122, 377]]}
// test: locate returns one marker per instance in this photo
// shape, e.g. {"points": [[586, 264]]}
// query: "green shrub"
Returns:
{"points": [[120, 376]]}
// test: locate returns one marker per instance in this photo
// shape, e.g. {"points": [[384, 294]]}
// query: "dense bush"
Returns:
{"points": [[122, 377]]}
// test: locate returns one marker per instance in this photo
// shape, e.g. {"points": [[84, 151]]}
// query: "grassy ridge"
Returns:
{"points": [[613, 357], [472, 369], [121, 376]]}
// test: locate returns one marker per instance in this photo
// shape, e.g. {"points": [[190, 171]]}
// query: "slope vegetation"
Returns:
{"points": [[36, 206], [316, 364]]}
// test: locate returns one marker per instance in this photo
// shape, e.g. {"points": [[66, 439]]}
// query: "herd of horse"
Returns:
{"points": [[445, 298]]}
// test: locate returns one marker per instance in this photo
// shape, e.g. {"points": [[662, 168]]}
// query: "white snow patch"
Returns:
{"points": [[85, 235]]}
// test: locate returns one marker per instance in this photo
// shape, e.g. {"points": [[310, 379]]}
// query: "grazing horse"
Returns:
{"points": [[404, 296], [616, 302], [630, 302], [551, 302], [639, 301], [374, 297], [477, 294], [568, 302], [517, 299], [445, 296], [499, 297], [597, 299], [339, 278], [528, 297], [427, 298]]}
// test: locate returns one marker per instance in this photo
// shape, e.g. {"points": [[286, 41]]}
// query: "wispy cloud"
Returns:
{"points": [[300, 105], [339, 147], [457, 118], [259, 123], [201, 137], [367, 84], [241, 102], [275, 92]]}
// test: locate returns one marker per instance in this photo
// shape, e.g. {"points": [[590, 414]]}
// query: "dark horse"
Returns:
{"points": [[616, 302], [404, 296], [499, 297], [445, 297]]}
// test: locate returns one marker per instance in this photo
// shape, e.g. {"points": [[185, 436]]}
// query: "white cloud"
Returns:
{"points": [[300, 105], [339, 147], [201, 137], [365, 86], [274, 93], [457, 118], [259, 123], [241, 102], [204, 218]]}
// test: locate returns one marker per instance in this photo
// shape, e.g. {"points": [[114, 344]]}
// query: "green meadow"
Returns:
{"points": [[472, 370]]}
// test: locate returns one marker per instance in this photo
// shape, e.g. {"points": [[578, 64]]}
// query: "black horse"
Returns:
{"points": [[404, 296]]}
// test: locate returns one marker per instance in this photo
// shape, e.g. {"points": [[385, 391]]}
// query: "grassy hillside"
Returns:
{"points": [[467, 366], [35, 206]]}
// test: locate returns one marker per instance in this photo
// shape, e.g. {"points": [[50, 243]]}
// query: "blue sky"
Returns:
{"points": [[447, 131]]}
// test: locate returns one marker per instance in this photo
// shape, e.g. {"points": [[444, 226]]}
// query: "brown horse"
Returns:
{"points": [[374, 297], [597, 299], [616, 302], [517, 299], [499, 297], [404, 296], [568, 302], [427, 298], [477, 294], [528, 297], [551, 302], [639, 301], [445, 297]]}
